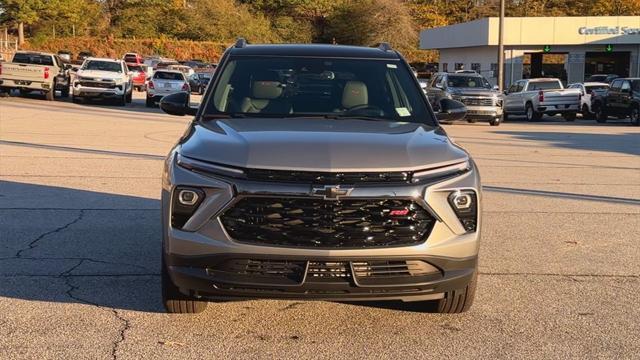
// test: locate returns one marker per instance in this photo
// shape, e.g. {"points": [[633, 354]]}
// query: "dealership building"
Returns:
{"points": [[570, 48]]}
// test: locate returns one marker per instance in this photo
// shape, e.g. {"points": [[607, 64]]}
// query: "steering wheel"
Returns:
{"points": [[366, 108]]}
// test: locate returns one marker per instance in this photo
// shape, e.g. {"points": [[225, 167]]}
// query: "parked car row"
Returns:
{"points": [[98, 78]]}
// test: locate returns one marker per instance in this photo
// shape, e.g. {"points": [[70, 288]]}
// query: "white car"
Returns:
{"points": [[587, 89], [163, 83], [100, 78]]}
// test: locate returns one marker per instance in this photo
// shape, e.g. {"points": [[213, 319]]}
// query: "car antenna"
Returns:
{"points": [[240, 43]]}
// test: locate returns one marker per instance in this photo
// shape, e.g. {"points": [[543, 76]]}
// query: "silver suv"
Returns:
{"points": [[318, 172]]}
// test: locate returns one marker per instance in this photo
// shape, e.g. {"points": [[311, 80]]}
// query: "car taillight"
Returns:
{"points": [[150, 85], [185, 87], [541, 96], [46, 72]]}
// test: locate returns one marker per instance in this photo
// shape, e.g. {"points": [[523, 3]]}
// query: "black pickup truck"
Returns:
{"points": [[621, 100]]}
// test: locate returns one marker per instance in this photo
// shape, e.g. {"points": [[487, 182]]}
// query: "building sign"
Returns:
{"points": [[608, 30]]}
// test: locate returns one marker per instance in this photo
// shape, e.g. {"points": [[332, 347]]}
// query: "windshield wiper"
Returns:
{"points": [[338, 117], [223, 116]]}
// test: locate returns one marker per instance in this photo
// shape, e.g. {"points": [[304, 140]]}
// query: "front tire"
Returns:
{"points": [[460, 300], [635, 116], [495, 122], [600, 115], [586, 114], [176, 302]]}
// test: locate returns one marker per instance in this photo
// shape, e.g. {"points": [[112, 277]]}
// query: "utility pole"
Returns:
{"points": [[501, 48]]}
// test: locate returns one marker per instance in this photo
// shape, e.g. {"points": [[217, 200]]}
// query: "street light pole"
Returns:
{"points": [[501, 47]]}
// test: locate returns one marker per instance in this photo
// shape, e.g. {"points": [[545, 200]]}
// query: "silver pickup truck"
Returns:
{"points": [[35, 71], [535, 97]]}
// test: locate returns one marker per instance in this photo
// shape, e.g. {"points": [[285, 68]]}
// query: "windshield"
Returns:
{"points": [[204, 76], [163, 75], [102, 66], [457, 81], [326, 87], [590, 88]]}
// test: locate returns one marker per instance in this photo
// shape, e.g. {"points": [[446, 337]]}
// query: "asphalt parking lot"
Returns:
{"points": [[80, 245]]}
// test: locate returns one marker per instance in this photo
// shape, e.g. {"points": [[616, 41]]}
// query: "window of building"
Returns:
{"points": [[459, 66], [445, 67], [494, 70], [476, 67]]}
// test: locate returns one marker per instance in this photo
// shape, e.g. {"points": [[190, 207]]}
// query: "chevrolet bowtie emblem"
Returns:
{"points": [[330, 192]]}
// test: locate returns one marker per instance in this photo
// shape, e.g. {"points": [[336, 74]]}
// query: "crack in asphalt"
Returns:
{"points": [[126, 325], [570, 276], [34, 243]]}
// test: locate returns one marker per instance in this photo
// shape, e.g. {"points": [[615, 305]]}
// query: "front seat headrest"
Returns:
{"points": [[266, 86], [355, 93]]}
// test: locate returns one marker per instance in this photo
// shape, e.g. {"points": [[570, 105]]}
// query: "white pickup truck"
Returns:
{"points": [[35, 71], [535, 97], [102, 78]]}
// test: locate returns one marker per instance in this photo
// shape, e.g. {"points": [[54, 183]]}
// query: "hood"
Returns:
{"points": [[475, 92], [324, 145], [99, 74]]}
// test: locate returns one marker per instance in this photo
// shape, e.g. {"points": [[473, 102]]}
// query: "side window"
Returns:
{"points": [[437, 80], [625, 86], [616, 85], [513, 88], [520, 86]]}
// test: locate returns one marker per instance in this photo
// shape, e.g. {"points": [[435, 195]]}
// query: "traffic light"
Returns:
{"points": [[546, 48], [608, 48]]}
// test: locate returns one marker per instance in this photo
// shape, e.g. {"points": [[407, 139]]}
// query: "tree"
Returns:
{"points": [[22, 12], [365, 22]]}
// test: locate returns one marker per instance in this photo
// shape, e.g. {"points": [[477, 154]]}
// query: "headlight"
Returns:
{"points": [[441, 172], [465, 204], [206, 167]]}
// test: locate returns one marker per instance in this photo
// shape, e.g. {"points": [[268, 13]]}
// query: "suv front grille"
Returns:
{"points": [[476, 101], [326, 178], [98, 84], [317, 223]]}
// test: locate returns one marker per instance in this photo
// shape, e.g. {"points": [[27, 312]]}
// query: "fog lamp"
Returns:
{"points": [[465, 205], [185, 203], [187, 197]]}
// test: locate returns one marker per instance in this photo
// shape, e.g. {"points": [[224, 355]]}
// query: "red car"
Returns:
{"points": [[138, 76], [133, 58]]}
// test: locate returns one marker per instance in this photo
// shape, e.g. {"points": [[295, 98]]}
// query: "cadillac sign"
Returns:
{"points": [[608, 30]]}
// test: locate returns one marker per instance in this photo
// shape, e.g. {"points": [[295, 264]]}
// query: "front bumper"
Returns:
{"points": [[201, 277], [85, 91], [484, 112], [192, 254]]}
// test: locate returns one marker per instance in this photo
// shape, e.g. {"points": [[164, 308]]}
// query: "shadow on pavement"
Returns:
{"points": [[97, 248], [626, 143]]}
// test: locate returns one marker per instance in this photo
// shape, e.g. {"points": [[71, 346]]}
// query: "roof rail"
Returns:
{"points": [[240, 43], [384, 46]]}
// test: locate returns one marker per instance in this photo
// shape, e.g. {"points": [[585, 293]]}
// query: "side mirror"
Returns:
{"points": [[177, 104], [439, 86], [496, 87], [451, 110]]}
